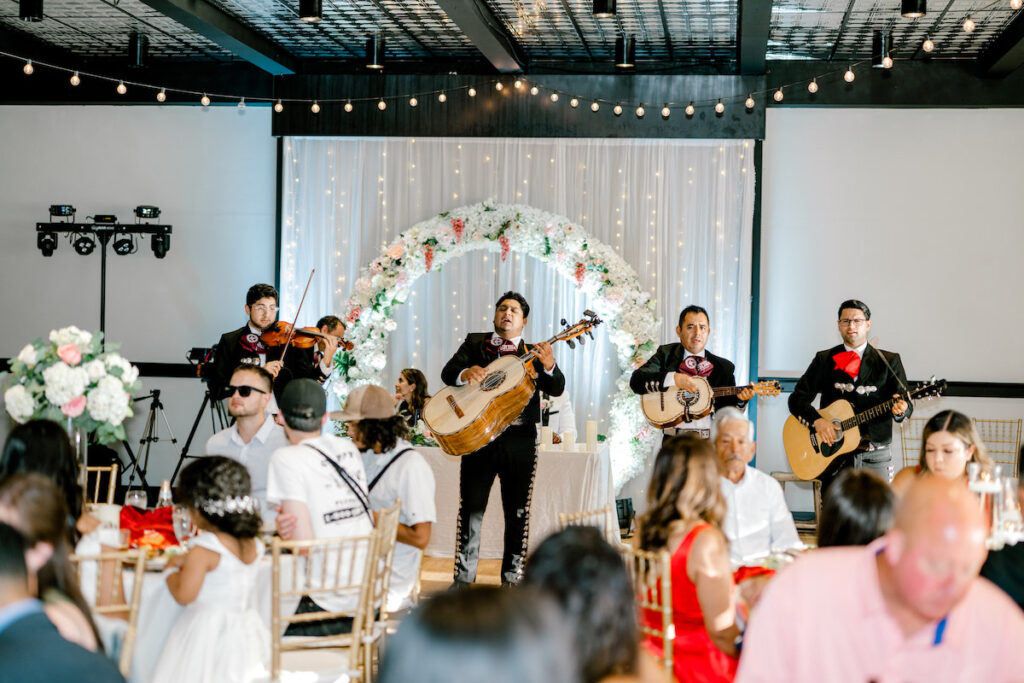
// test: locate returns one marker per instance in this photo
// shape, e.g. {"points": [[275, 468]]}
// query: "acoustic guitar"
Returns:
{"points": [[809, 457], [668, 408], [464, 419]]}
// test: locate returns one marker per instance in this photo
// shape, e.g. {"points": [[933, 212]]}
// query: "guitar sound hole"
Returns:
{"points": [[492, 381], [685, 397]]}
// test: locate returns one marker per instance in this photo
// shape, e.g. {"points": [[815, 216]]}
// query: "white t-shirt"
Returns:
{"points": [[255, 455], [410, 479], [757, 521], [302, 474]]}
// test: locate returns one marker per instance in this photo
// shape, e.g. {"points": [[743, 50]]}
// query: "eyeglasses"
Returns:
{"points": [[260, 308], [244, 391], [846, 322]]}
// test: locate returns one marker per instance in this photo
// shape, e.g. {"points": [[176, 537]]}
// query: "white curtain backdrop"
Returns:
{"points": [[678, 211]]}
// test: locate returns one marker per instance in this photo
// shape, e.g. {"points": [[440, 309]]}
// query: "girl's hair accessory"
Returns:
{"points": [[230, 505]]}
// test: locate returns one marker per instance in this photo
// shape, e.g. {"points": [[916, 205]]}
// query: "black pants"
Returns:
{"points": [[327, 627], [878, 461], [512, 457]]}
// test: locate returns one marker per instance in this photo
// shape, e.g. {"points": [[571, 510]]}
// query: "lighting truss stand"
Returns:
{"points": [[218, 421], [150, 436]]}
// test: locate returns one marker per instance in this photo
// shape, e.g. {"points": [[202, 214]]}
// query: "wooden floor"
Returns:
{"points": [[436, 573]]}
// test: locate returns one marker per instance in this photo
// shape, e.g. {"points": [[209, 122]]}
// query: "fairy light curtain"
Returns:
{"points": [[678, 211]]}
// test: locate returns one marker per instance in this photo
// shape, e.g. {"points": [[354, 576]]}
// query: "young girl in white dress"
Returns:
{"points": [[219, 637]]}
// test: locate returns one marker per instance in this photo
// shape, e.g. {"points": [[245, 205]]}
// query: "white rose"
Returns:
{"points": [[20, 404], [28, 356], [96, 370], [64, 383], [70, 335]]}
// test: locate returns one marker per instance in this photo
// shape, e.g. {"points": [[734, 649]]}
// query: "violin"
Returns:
{"points": [[301, 337]]}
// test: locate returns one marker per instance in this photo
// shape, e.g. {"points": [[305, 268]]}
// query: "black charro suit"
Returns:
{"points": [[874, 384], [238, 347], [668, 358], [33, 651], [512, 457]]}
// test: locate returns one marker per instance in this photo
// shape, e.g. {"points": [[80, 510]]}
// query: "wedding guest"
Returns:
{"points": [[32, 650], [949, 441], [1005, 567], [320, 483], [254, 436], [411, 395], [560, 414], [685, 509], [907, 607], [34, 506], [220, 636], [484, 634], [396, 471], [856, 510], [588, 579]]}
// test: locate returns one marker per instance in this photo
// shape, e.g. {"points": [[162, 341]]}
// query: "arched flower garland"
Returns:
{"points": [[612, 284]]}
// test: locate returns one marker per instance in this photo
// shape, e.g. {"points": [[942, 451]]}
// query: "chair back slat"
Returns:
{"points": [[603, 519], [651, 574], [1002, 442], [111, 472]]}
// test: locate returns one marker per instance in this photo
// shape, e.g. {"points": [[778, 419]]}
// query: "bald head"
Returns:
{"points": [[936, 503]]}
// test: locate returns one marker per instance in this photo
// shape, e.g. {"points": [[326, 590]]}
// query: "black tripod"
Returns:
{"points": [[150, 435], [218, 421]]}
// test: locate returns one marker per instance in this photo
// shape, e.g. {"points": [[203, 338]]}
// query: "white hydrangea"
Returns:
{"points": [[28, 356], [109, 402], [129, 373], [20, 404], [70, 335], [64, 383], [96, 370]]}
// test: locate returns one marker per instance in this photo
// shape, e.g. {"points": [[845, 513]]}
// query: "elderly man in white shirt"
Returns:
{"points": [[757, 521]]}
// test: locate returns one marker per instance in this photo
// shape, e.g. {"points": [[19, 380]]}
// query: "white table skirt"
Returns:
{"points": [[565, 482]]}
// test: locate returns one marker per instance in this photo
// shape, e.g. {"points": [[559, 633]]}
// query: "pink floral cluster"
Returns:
{"points": [[458, 227]]}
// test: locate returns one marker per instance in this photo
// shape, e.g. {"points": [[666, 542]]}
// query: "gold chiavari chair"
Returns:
{"points": [[1002, 442], [377, 614], [109, 597], [651, 573], [602, 518], [911, 430], [111, 473]]}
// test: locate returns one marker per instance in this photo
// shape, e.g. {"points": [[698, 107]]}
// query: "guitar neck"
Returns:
{"points": [[727, 391], [531, 355]]}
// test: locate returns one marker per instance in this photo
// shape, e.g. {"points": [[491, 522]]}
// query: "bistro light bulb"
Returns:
{"points": [[617, 110], [442, 98], [719, 107], [554, 97], [534, 90], [749, 102], [849, 75], [574, 103], [518, 84], [640, 111], [812, 87], [690, 109], [1016, 4], [279, 107], [413, 101], [887, 62], [315, 107], [204, 100], [665, 112], [28, 68], [928, 45], [75, 80], [472, 92], [969, 25], [499, 86], [382, 105], [778, 95], [348, 107], [121, 88], [594, 106], [162, 96]]}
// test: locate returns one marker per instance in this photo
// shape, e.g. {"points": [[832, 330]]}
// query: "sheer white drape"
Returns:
{"points": [[679, 211]]}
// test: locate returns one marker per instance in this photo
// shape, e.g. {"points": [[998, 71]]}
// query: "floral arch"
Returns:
{"points": [[612, 284]]}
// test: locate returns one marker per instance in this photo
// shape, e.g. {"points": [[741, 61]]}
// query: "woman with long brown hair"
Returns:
{"points": [[949, 441], [685, 508], [411, 395]]}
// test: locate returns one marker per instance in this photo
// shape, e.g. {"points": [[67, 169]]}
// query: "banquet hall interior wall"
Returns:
{"points": [[212, 172]]}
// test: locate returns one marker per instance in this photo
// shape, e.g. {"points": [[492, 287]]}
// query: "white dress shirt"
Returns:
{"points": [[757, 521], [255, 455]]}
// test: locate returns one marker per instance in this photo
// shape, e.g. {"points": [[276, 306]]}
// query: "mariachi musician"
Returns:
{"points": [[246, 346], [512, 456]]}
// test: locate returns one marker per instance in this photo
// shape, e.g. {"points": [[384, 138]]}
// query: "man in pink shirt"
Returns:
{"points": [[908, 607]]}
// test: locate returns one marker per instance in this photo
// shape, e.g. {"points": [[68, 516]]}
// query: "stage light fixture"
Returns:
{"points": [[61, 210], [375, 52], [160, 245], [104, 218], [625, 51], [881, 43], [30, 10], [124, 245], [604, 9], [47, 242], [311, 10], [147, 213], [912, 9], [84, 244], [138, 49]]}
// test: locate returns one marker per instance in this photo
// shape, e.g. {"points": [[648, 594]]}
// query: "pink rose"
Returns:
{"points": [[70, 354], [395, 251], [74, 407]]}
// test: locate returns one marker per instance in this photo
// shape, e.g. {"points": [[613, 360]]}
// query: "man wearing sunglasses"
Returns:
{"points": [[254, 436]]}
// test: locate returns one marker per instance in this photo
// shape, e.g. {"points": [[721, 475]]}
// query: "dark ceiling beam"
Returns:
{"points": [[577, 29], [666, 31], [842, 27], [483, 29], [221, 28], [1006, 53], [752, 29]]}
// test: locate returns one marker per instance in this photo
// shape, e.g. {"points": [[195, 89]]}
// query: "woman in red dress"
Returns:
{"points": [[684, 512]]}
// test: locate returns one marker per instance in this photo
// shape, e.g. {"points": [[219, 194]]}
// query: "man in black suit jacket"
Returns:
{"points": [[31, 649], [855, 371], [512, 457], [671, 366], [244, 347]]}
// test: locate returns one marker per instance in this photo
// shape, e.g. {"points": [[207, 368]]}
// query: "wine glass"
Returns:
{"points": [[182, 519], [136, 498]]}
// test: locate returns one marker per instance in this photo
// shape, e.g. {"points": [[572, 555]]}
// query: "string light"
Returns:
{"points": [[241, 103], [315, 107], [719, 107], [413, 101], [204, 100], [498, 86], [574, 103], [849, 75], [749, 102], [472, 92], [442, 98], [594, 106], [348, 107], [665, 112], [28, 68], [75, 80], [534, 90], [690, 109], [969, 25], [554, 97], [1016, 4], [121, 88], [518, 84], [812, 87], [928, 45], [778, 95], [382, 105], [640, 111], [887, 62], [279, 107], [617, 110], [161, 96]]}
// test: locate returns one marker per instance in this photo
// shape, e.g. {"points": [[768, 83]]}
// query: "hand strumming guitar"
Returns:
{"points": [[687, 383], [826, 430], [474, 373]]}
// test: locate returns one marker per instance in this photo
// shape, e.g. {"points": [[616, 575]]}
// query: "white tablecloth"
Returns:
{"points": [[565, 482]]}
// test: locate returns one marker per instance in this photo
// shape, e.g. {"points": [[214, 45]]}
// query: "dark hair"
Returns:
{"points": [[261, 291], [516, 296], [215, 479], [331, 321], [419, 394], [384, 432], [686, 475], [257, 370], [42, 518], [693, 309], [588, 578], [960, 426], [481, 634], [42, 446], [856, 510], [12, 554], [854, 303]]}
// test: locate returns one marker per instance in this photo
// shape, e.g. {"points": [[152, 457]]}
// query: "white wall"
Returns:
{"points": [[212, 173]]}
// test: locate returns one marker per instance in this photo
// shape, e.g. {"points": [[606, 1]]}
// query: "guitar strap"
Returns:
{"points": [[357, 490], [385, 468]]}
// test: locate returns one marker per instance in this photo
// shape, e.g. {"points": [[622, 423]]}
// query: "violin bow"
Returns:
{"points": [[291, 334]]}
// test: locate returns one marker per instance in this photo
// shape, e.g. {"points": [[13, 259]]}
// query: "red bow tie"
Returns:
{"points": [[848, 362]]}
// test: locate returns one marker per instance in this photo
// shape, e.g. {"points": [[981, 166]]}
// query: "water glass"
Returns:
{"points": [[136, 498], [182, 524]]}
